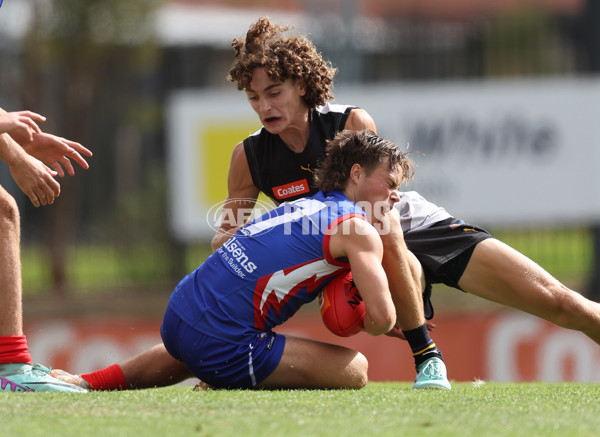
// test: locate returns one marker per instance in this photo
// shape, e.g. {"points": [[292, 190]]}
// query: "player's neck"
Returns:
{"points": [[296, 135]]}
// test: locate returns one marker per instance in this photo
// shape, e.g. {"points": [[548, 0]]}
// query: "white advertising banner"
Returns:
{"points": [[495, 153], [202, 130], [498, 153]]}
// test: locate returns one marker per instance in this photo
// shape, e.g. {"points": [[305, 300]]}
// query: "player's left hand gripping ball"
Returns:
{"points": [[342, 307]]}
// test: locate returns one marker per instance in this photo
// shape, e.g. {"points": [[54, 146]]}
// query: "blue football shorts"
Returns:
{"points": [[220, 363]]}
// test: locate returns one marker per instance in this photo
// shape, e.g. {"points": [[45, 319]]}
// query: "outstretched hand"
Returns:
{"points": [[35, 180], [57, 152], [26, 163], [21, 124]]}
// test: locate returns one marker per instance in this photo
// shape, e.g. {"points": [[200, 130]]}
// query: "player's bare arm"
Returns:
{"points": [[357, 241], [241, 196], [359, 119]]}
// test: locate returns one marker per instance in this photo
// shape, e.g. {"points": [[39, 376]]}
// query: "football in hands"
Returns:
{"points": [[342, 308]]}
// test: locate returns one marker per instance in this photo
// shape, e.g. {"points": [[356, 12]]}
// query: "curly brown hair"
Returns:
{"points": [[283, 57], [359, 147]]}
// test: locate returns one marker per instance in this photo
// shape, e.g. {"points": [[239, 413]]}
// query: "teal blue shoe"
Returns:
{"points": [[8, 385], [21, 377], [432, 374]]}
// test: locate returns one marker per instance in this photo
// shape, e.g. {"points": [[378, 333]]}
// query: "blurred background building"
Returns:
{"points": [[103, 72]]}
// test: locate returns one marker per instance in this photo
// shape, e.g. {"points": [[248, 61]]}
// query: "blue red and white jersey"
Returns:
{"points": [[263, 274]]}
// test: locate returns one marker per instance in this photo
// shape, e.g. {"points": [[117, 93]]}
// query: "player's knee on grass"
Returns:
{"points": [[359, 372], [353, 374]]}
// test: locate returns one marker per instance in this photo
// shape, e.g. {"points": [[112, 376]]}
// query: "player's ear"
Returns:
{"points": [[356, 172], [301, 87]]}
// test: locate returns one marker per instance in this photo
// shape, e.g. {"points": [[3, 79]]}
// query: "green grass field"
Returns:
{"points": [[381, 409]]}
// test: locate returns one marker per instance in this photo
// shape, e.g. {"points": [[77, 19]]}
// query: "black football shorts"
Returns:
{"points": [[444, 250]]}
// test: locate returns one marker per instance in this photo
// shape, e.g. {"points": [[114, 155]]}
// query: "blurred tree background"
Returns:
{"points": [[90, 66], [101, 71]]}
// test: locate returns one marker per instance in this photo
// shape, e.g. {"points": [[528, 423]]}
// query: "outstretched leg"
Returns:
{"points": [[498, 273], [154, 367]]}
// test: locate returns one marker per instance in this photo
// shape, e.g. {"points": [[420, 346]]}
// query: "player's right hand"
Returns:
{"points": [[36, 180]]}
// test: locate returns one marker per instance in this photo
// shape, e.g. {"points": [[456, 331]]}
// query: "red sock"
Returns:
{"points": [[13, 349], [110, 378]]}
